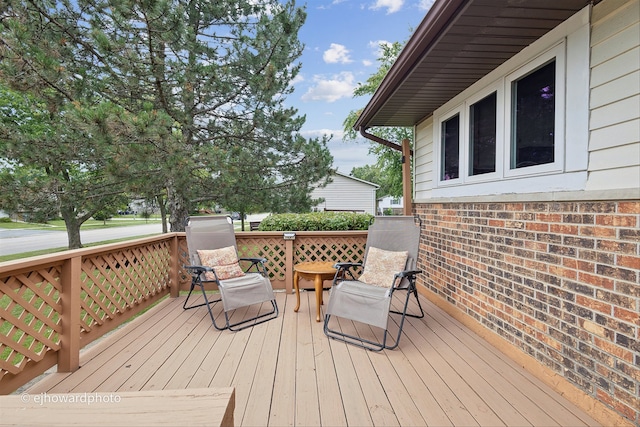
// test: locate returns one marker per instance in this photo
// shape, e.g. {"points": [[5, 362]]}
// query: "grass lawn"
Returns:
{"points": [[58, 224], [120, 221]]}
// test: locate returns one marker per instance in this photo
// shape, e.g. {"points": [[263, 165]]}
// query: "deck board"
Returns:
{"points": [[286, 372]]}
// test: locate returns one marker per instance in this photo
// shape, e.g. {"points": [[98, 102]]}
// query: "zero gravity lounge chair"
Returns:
{"points": [[214, 258], [389, 269]]}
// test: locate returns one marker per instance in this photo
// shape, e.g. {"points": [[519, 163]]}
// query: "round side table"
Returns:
{"points": [[316, 271]]}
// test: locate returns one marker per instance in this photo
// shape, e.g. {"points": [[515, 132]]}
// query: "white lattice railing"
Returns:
{"points": [[52, 306]]}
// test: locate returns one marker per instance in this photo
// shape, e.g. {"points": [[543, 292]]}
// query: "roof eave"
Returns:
{"points": [[432, 26]]}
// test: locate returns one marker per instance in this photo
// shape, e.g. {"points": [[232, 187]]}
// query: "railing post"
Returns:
{"points": [[69, 353], [288, 265], [174, 272], [406, 177]]}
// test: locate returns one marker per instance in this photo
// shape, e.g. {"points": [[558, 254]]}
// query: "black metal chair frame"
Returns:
{"points": [[197, 271], [345, 272]]}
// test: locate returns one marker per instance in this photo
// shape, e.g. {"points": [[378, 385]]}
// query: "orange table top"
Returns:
{"points": [[315, 267]]}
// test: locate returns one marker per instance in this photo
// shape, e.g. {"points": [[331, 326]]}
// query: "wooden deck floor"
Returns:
{"points": [[286, 372]]}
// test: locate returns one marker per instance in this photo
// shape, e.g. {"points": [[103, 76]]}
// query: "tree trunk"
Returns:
{"points": [[177, 206], [163, 212], [73, 227]]}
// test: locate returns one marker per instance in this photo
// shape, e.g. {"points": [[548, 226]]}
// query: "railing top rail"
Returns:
{"points": [[302, 233], [59, 257]]}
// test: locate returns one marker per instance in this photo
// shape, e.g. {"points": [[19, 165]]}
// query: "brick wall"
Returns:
{"points": [[559, 280]]}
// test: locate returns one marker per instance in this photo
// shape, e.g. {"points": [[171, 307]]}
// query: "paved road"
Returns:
{"points": [[19, 241]]}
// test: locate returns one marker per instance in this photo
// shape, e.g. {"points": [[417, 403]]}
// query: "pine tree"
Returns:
{"points": [[202, 87]]}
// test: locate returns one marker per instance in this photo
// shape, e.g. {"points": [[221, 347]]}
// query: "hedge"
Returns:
{"points": [[317, 221]]}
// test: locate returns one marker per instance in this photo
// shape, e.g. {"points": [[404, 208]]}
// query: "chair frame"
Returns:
{"points": [[345, 272], [197, 271]]}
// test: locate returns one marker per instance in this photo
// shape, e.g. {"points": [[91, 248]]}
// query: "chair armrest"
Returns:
{"points": [[253, 260], [343, 269], [408, 273], [258, 264], [346, 265], [197, 268]]}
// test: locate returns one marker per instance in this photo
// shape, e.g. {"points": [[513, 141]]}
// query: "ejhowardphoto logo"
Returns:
{"points": [[73, 398]]}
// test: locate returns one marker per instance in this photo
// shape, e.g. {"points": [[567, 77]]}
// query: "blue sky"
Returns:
{"points": [[342, 39]]}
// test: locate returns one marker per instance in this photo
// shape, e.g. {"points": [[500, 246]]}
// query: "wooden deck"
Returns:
{"points": [[286, 372]]}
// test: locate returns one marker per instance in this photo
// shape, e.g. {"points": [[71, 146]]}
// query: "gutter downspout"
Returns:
{"points": [[374, 138], [407, 152]]}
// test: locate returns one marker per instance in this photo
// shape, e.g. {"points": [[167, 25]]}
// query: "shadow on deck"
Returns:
{"points": [[286, 372]]}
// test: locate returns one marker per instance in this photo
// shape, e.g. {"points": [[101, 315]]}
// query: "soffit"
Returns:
{"points": [[458, 43]]}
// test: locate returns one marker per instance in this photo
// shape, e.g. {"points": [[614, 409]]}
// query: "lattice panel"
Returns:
{"points": [[273, 249], [29, 317], [116, 281], [333, 249]]}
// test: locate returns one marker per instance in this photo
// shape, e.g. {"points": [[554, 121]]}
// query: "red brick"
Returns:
{"points": [[536, 246], [609, 232], [629, 316], [623, 397], [616, 220], [564, 229], [629, 207], [589, 267], [563, 272], [600, 306], [618, 247], [628, 261], [514, 206], [613, 349], [605, 397], [599, 281], [537, 226], [548, 217]]}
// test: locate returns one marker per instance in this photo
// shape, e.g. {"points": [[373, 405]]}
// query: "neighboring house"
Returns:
{"points": [[526, 162], [390, 206], [346, 193]]}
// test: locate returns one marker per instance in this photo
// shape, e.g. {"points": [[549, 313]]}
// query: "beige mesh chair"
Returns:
{"points": [[389, 267], [214, 258]]}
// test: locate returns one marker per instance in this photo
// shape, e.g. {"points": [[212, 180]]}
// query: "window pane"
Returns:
{"points": [[533, 118], [482, 135], [450, 148]]}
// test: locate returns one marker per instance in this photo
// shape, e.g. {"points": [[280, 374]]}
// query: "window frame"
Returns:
{"points": [[558, 54], [503, 89], [497, 87], [458, 111]]}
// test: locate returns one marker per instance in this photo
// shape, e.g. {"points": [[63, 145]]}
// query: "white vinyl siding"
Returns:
{"points": [[423, 160], [614, 148], [602, 118], [347, 193]]}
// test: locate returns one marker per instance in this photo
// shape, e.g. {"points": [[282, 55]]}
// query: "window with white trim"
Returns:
{"points": [[483, 135], [450, 148], [511, 128], [533, 107]]}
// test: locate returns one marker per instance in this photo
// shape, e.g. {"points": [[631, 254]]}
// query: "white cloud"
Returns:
{"points": [[337, 53], [346, 155], [332, 89], [367, 63], [426, 4], [376, 48], [299, 78], [392, 6]]}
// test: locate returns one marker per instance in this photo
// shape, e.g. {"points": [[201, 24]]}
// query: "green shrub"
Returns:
{"points": [[5, 219], [316, 221]]}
